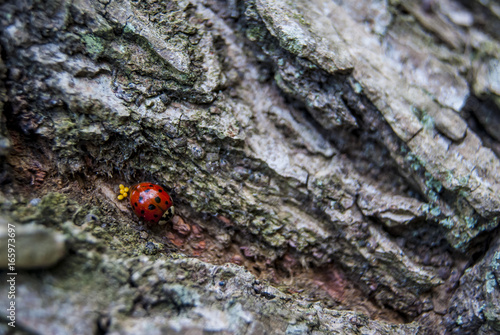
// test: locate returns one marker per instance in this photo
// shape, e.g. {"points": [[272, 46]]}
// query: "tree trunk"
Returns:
{"points": [[334, 166]]}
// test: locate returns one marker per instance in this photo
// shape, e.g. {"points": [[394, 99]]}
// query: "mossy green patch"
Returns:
{"points": [[94, 45], [256, 33]]}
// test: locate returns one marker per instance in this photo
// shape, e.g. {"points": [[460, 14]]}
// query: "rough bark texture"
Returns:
{"points": [[343, 154]]}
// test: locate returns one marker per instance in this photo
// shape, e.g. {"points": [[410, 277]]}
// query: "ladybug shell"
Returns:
{"points": [[150, 201]]}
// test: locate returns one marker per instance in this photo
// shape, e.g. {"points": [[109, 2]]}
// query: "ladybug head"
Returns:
{"points": [[167, 216]]}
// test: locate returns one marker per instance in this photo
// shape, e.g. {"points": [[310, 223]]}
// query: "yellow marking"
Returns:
{"points": [[123, 192]]}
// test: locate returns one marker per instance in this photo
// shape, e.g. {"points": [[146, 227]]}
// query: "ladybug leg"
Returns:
{"points": [[167, 216]]}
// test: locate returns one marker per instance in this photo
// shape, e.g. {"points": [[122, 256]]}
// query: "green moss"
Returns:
{"points": [[491, 283], [54, 209], [135, 57], [293, 44], [432, 183], [447, 223], [425, 119], [94, 45], [256, 33], [495, 263], [464, 228], [129, 29], [470, 222], [435, 211], [415, 166], [432, 195], [300, 18], [359, 89], [463, 180], [305, 239]]}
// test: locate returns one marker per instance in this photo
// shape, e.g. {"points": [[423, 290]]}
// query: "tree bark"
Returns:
{"points": [[343, 154]]}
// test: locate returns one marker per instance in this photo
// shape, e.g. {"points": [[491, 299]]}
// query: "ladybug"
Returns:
{"points": [[151, 203]]}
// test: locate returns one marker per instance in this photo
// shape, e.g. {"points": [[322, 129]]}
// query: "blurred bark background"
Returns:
{"points": [[334, 165]]}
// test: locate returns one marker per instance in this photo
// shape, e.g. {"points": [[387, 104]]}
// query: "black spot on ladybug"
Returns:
{"points": [[158, 200], [147, 190], [135, 204], [160, 190], [142, 212], [151, 207], [150, 185], [166, 202], [141, 199], [156, 215]]}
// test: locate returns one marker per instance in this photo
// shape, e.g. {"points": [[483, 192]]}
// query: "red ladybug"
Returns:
{"points": [[151, 203]]}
